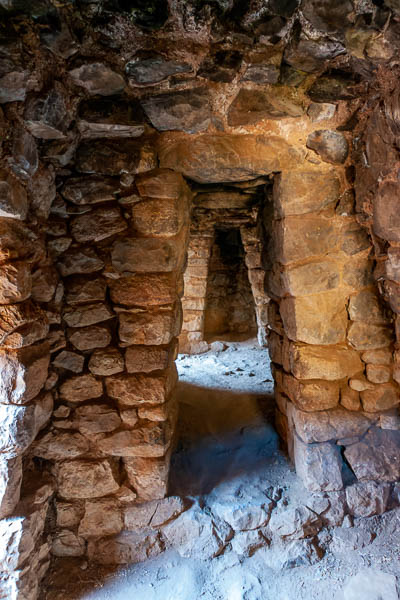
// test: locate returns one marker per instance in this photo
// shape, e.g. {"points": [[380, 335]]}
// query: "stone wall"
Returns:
{"points": [[331, 337], [103, 114]]}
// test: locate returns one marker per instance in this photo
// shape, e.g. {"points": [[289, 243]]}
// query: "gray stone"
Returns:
{"points": [[349, 538], [94, 131], [90, 190], [90, 314], [370, 584], [188, 110], [78, 261], [368, 498], [89, 338], [70, 361], [261, 73], [153, 514], [194, 535], [97, 78], [376, 456], [126, 548], [149, 71], [294, 523], [331, 146], [318, 465], [323, 426], [243, 516], [67, 544], [13, 87], [47, 117]]}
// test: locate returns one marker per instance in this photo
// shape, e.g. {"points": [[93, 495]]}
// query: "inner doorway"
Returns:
{"points": [[229, 307]]}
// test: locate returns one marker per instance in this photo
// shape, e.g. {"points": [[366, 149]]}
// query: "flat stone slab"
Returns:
{"points": [[370, 585]]}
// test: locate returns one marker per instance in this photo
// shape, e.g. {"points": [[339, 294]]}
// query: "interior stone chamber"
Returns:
{"points": [[127, 147]]}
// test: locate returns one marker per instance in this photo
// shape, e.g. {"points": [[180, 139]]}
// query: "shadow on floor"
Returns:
{"points": [[222, 435]]}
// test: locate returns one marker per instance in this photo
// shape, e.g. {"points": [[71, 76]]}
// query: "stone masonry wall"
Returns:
{"points": [[112, 430], [331, 337], [102, 113]]}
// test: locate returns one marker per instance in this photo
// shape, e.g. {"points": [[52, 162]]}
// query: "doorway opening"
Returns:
{"points": [[229, 305]]}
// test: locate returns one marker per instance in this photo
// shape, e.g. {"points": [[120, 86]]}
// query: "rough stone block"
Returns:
{"points": [[160, 218], [13, 197], [187, 110], [150, 289], [148, 476], [379, 373], [314, 395], [380, 356], [225, 157], [114, 157], [331, 146], [22, 324], [148, 255], [90, 189], [126, 548], [296, 238], [380, 397], [81, 290], [98, 78], [386, 212], [85, 479], [149, 441], [10, 484], [71, 361], [365, 499], [366, 306], [102, 517], [148, 328], [318, 319], [318, 465], [153, 514], [81, 388], [252, 106], [15, 282], [320, 362], [98, 225], [376, 456], [89, 338], [23, 373], [91, 419], [300, 192], [311, 278], [106, 362], [67, 544], [145, 359], [60, 446], [77, 261], [89, 314], [134, 390], [327, 425]]}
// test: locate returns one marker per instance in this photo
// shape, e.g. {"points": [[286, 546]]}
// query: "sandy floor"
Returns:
{"points": [[229, 450]]}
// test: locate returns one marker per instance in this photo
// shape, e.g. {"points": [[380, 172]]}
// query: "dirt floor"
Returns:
{"points": [[229, 454]]}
